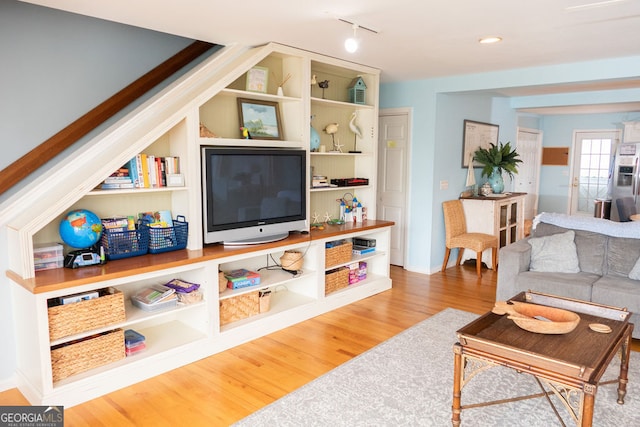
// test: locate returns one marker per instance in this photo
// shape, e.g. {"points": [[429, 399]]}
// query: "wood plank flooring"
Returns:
{"points": [[228, 386]]}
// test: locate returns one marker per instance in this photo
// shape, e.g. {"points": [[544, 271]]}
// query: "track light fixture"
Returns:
{"points": [[351, 44]]}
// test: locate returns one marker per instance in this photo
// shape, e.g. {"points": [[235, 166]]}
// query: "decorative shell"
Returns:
{"points": [[536, 318]]}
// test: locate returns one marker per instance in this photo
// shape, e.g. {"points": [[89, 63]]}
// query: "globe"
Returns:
{"points": [[80, 229]]}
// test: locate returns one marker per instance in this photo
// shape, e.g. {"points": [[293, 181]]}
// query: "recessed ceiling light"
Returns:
{"points": [[490, 39]]}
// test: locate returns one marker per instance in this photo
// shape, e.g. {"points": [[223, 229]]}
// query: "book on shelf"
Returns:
{"points": [[241, 278], [362, 250], [116, 224], [157, 219], [150, 171], [155, 294]]}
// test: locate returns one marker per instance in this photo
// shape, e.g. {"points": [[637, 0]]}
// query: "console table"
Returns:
{"points": [[499, 214]]}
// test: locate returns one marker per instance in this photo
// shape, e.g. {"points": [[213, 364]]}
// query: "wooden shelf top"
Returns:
{"points": [[65, 278]]}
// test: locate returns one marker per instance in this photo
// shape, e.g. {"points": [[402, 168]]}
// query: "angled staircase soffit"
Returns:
{"points": [[34, 205]]}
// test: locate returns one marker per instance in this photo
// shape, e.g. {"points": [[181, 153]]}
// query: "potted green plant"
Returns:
{"points": [[495, 160]]}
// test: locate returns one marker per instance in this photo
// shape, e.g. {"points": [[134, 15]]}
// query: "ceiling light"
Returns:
{"points": [[490, 39], [351, 44]]}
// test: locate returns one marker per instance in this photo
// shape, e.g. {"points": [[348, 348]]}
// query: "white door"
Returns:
{"points": [[393, 149], [592, 154], [527, 180]]}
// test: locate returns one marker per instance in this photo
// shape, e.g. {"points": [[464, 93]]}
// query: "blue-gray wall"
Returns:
{"points": [[56, 66]]}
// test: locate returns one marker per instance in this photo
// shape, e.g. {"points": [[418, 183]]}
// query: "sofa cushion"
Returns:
{"points": [[590, 246], [571, 285], [555, 253], [622, 254], [635, 271], [618, 292]]}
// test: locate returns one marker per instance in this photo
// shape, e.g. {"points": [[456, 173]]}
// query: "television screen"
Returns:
{"points": [[253, 194]]}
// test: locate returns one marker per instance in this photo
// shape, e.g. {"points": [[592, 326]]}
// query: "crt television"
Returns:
{"points": [[252, 195]]}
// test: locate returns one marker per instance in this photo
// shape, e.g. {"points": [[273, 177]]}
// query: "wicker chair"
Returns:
{"points": [[457, 237]]}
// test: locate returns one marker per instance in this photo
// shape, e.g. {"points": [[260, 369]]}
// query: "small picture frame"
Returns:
{"points": [[260, 118], [477, 135], [257, 79]]}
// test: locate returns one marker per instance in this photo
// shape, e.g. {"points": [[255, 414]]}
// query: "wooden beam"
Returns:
{"points": [[53, 146]]}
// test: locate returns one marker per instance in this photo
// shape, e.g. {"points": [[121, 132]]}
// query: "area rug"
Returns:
{"points": [[407, 381]]}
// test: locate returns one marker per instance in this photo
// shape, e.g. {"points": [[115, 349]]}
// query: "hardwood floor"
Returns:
{"points": [[226, 387]]}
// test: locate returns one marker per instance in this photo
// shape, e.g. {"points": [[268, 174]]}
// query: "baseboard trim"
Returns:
{"points": [[8, 384]]}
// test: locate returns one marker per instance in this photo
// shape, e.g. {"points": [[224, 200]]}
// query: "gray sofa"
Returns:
{"points": [[604, 263]]}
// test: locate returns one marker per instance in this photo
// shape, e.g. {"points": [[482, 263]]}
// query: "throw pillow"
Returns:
{"points": [[635, 271], [555, 253]]}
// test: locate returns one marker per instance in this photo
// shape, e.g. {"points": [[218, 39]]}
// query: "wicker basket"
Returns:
{"points": [[338, 254], [336, 279], [222, 282], [71, 359], [291, 260], [239, 307], [70, 319]]}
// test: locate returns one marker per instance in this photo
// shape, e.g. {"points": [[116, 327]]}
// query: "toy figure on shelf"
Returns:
{"points": [[323, 85], [245, 133]]}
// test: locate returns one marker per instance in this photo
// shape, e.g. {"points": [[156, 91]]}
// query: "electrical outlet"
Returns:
{"points": [[444, 185]]}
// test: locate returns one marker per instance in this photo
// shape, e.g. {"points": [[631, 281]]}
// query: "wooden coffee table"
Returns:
{"points": [[568, 365]]}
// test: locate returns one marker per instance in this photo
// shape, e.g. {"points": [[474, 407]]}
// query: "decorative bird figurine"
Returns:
{"points": [[323, 85], [332, 129], [356, 130], [314, 79]]}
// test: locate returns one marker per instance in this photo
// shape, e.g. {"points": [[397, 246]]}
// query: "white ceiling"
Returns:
{"points": [[415, 39]]}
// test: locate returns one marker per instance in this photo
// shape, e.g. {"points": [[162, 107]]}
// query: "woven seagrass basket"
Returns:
{"points": [[87, 354], [336, 279], [339, 254], [222, 282], [239, 307], [291, 260], [70, 319]]}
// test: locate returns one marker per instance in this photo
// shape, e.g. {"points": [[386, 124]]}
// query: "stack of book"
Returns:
{"points": [[319, 181], [119, 179], [155, 297], [241, 278], [134, 342]]}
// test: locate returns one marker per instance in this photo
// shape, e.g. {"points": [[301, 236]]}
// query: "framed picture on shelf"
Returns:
{"points": [[261, 119], [257, 79], [477, 135]]}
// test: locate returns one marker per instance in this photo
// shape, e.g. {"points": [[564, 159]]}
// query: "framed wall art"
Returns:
{"points": [[260, 118], [257, 79], [476, 135]]}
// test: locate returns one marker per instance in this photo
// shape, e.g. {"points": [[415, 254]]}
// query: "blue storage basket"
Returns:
{"points": [[125, 244], [165, 239]]}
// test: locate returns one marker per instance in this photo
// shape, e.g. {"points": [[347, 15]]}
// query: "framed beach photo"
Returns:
{"points": [[477, 135], [257, 79], [260, 118]]}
